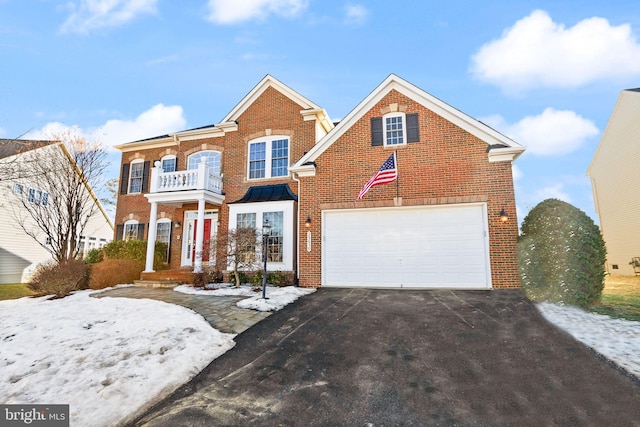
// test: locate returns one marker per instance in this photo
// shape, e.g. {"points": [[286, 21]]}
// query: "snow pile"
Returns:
{"points": [[221, 290], [616, 339], [108, 358], [277, 298]]}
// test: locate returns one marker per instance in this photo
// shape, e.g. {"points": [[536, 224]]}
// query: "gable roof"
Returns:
{"points": [[267, 193], [502, 147], [11, 147], [309, 110]]}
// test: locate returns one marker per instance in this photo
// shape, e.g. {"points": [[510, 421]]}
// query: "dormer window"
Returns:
{"points": [[268, 157]]}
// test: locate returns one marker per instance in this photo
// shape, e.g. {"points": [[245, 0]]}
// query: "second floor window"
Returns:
{"points": [[269, 158], [169, 164], [136, 173], [212, 159]]}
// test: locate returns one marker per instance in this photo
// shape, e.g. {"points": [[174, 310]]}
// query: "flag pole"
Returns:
{"points": [[395, 159]]}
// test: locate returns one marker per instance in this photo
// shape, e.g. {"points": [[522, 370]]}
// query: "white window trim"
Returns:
{"points": [[206, 151], [268, 140], [135, 162], [404, 128], [124, 229], [167, 157], [259, 209]]}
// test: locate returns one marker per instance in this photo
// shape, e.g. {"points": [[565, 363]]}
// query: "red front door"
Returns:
{"points": [[206, 242]]}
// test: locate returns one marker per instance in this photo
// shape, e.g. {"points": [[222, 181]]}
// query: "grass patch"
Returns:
{"points": [[620, 298], [14, 291]]}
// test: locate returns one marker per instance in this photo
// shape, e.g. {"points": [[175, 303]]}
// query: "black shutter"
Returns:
{"points": [[376, 131], [145, 176], [413, 131], [140, 231], [176, 169], [124, 179], [119, 231], [170, 238]]}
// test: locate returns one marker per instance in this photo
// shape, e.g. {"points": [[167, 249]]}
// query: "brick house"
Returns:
{"points": [[448, 221]]}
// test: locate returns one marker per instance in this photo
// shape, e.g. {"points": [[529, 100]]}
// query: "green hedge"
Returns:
{"points": [[136, 250]]}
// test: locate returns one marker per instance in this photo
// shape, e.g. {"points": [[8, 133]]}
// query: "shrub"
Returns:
{"points": [[561, 255], [93, 256], [274, 278], [208, 275], [243, 278], [136, 250], [60, 279], [112, 272]]}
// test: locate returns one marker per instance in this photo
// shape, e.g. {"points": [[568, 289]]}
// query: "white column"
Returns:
{"points": [[197, 264], [151, 237]]}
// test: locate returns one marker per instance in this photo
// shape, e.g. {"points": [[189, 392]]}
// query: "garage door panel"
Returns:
{"points": [[406, 247]]}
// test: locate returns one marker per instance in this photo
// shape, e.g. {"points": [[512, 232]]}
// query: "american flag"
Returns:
{"points": [[387, 173]]}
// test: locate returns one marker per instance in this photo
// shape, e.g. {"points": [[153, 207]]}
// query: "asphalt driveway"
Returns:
{"points": [[385, 358]]}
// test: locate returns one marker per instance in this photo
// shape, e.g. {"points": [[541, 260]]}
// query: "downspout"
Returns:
{"points": [[294, 176]]}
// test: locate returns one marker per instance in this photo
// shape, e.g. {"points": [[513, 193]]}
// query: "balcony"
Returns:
{"points": [[185, 186]]}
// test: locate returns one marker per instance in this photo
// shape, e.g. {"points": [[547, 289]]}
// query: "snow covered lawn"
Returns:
{"points": [[108, 358]]}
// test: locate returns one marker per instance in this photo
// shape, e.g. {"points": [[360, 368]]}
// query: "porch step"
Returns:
{"points": [[156, 283], [176, 276]]}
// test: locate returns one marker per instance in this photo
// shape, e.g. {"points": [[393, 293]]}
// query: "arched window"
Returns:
{"points": [[212, 159]]}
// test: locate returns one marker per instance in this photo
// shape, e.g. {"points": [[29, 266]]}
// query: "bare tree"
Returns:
{"points": [[242, 250], [58, 200]]}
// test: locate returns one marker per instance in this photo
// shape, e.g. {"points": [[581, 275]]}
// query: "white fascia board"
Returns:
{"points": [[319, 115], [266, 82], [143, 145], [303, 170], [507, 154], [214, 131]]}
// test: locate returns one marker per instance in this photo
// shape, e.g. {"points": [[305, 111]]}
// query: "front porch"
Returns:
{"points": [[194, 228]]}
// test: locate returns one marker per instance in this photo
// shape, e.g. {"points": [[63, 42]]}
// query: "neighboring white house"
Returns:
{"points": [[20, 254], [615, 181]]}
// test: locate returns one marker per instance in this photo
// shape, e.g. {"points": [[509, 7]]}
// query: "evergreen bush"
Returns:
{"points": [[561, 254], [136, 250]]}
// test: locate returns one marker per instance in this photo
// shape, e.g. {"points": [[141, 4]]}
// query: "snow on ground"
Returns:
{"points": [[616, 339], [277, 298], [107, 358], [110, 358]]}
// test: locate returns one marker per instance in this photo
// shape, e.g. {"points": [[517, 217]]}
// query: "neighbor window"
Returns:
{"points": [[18, 189], [136, 174], [269, 158]]}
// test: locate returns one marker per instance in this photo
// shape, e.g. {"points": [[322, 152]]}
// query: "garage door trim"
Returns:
{"points": [[486, 284]]}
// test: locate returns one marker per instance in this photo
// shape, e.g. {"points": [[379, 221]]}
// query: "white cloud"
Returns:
{"points": [[516, 172], [89, 15], [235, 11], [554, 132], [158, 120], [539, 52], [555, 191], [356, 14]]}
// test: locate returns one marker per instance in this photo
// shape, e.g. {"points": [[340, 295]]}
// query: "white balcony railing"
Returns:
{"points": [[193, 179]]}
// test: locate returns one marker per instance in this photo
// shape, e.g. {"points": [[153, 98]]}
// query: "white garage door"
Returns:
{"points": [[413, 247]]}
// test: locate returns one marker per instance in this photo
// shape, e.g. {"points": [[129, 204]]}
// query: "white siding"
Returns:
{"points": [[615, 177], [20, 254]]}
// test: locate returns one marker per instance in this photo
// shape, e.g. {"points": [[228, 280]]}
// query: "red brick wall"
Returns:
{"points": [[447, 165], [272, 110]]}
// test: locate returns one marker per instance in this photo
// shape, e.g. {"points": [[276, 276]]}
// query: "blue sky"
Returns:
{"points": [[545, 73]]}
